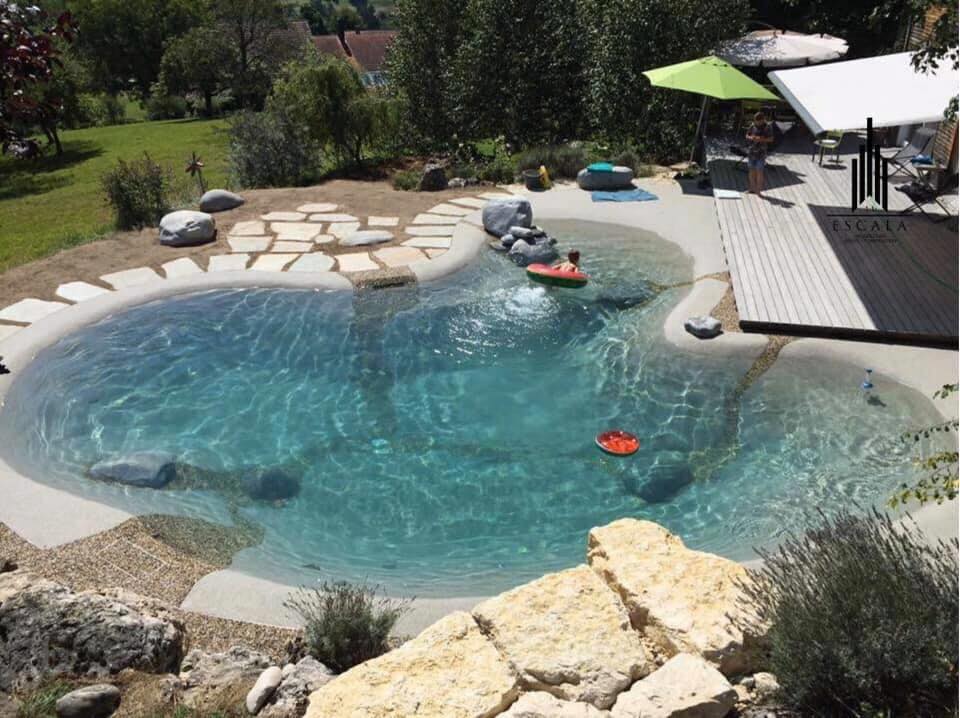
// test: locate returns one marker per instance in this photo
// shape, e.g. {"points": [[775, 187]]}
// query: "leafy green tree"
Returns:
{"points": [[201, 61], [942, 44], [346, 17]]}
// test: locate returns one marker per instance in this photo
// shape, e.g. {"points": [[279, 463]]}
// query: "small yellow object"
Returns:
{"points": [[545, 177]]}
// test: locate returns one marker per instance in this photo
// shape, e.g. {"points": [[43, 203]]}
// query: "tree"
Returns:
{"points": [[346, 17], [28, 49], [941, 44], [200, 61]]}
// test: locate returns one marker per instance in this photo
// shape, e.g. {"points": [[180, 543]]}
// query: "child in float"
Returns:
{"points": [[572, 263]]}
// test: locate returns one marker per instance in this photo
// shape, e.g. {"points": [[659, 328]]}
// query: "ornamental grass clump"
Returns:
{"points": [[346, 624], [862, 617]]}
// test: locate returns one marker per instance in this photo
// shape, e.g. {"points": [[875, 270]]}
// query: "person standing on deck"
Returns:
{"points": [[760, 135]]}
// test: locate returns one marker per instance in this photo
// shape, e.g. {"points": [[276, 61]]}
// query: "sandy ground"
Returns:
{"points": [[124, 250]]}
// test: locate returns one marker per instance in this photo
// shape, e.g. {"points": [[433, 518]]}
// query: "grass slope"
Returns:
{"points": [[57, 202]]}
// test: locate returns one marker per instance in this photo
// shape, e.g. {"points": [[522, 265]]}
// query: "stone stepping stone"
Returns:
{"points": [[357, 262], [436, 219], [287, 246], [323, 239], [249, 244], [297, 231], [284, 216], [228, 262], [342, 230], [27, 311], [131, 277], [398, 256], [182, 267], [79, 291], [248, 229], [426, 231], [497, 195], [272, 262], [365, 237], [429, 242], [317, 207], [451, 209], [326, 217], [473, 202], [8, 330], [316, 262], [432, 253], [377, 221]]}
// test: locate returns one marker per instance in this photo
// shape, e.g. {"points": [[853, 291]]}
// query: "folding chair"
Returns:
{"points": [[919, 144]]}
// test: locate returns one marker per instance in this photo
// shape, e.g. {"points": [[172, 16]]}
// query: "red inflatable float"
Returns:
{"points": [[545, 274], [618, 443]]}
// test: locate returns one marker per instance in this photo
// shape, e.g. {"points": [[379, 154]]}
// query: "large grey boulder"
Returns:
{"points": [[219, 200], [499, 215], [144, 469], [523, 253], [299, 681], [49, 630], [204, 676], [98, 701], [619, 178], [263, 689], [434, 178], [185, 228], [271, 484], [703, 327]]}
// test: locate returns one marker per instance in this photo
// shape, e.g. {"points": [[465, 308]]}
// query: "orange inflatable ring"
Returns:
{"points": [[618, 443]]}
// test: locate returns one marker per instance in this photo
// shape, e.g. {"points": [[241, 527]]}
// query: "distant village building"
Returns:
{"points": [[364, 49]]}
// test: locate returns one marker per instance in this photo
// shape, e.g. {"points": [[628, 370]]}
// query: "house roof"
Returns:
{"points": [[329, 45], [367, 49]]}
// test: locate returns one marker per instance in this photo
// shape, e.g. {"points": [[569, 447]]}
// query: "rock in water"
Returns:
{"points": [[434, 178], [684, 686], [500, 215], [145, 469], [703, 327], [219, 200], [97, 701], [263, 689], [524, 253], [270, 484], [185, 228], [527, 232]]}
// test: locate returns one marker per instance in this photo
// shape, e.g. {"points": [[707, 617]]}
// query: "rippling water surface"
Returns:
{"points": [[444, 433]]}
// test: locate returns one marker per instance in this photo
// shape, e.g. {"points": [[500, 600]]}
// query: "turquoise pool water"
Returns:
{"points": [[443, 434]]}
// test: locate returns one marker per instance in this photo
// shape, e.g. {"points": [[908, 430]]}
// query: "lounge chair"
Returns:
{"points": [[919, 144], [829, 140], [924, 192]]}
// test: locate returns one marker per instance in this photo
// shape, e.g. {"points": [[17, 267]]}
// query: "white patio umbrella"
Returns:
{"points": [[781, 48]]}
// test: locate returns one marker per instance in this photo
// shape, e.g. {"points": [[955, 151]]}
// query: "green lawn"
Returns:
{"points": [[57, 202]]}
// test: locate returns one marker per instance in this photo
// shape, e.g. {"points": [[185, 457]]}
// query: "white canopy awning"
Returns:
{"points": [[842, 95], [781, 48]]}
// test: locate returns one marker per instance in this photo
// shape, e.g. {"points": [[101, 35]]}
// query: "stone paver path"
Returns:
{"points": [[316, 262], [342, 230], [79, 291], [436, 219], [472, 202], [272, 262], [302, 231], [451, 209], [288, 246], [375, 221], [365, 237], [317, 207], [247, 229], [182, 267], [284, 216], [228, 262], [359, 262], [429, 242], [398, 256], [131, 277], [428, 231], [27, 311], [324, 217], [248, 244], [324, 239]]}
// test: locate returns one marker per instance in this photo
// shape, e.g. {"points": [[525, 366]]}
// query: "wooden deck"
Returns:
{"points": [[800, 267]]}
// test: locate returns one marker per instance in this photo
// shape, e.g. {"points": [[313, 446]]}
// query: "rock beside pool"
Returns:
{"points": [[545, 705], [185, 228], [207, 676], [49, 630], [684, 686], [684, 601], [97, 701], [143, 469], [499, 215], [523, 253], [703, 327], [263, 690], [219, 200], [272, 484], [527, 232], [299, 681]]}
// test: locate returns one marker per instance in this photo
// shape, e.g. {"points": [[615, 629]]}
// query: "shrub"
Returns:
{"points": [[271, 149], [161, 106], [406, 180], [862, 616], [560, 160], [138, 191], [346, 624]]}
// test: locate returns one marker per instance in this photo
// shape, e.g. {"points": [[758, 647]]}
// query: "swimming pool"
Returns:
{"points": [[442, 434]]}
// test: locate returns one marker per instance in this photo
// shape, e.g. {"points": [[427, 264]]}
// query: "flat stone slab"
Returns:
{"points": [[272, 262], [342, 230], [284, 216], [131, 277], [281, 246], [228, 262], [249, 244], [297, 231], [365, 237], [8, 330], [429, 231], [317, 207], [398, 256], [253, 227], [434, 253], [327, 217], [79, 291], [358, 262], [453, 210], [473, 202], [30, 310], [497, 195], [429, 242], [377, 221], [324, 239], [436, 219], [316, 262], [182, 267]]}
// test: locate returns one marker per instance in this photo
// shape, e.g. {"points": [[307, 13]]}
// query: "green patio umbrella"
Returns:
{"points": [[711, 77]]}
